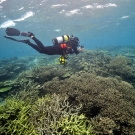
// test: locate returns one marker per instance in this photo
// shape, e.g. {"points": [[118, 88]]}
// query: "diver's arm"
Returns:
{"points": [[76, 50]]}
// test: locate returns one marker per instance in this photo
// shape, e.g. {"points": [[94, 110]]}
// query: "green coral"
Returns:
{"points": [[22, 124], [14, 118], [48, 115], [74, 125]]}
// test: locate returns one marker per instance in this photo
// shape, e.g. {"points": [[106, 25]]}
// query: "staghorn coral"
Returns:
{"points": [[27, 95], [107, 97], [41, 117], [14, 118], [22, 125], [73, 125], [49, 110]]}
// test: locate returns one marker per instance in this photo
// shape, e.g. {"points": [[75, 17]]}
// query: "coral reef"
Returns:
{"points": [[103, 125], [74, 125], [121, 66], [44, 74], [10, 68], [93, 94], [14, 117], [100, 63], [48, 115], [7, 86], [107, 97], [89, 61], [48, 111]]}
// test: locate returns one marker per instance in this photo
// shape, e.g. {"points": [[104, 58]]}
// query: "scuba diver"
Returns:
{"points": [[63, 45]]}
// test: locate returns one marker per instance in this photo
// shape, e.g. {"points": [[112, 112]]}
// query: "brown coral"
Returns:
{"points": [[49, 110], [122, 66], [103, 125], [107, 97]]}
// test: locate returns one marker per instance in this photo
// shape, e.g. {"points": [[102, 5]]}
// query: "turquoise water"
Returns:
{"points": [[97, 23]]}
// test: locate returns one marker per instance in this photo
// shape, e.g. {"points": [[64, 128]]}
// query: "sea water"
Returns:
{"points": [[97, 23]]}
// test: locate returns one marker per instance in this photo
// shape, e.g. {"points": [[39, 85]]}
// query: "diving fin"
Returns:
{"points": [[12, 32], [23, 41]]}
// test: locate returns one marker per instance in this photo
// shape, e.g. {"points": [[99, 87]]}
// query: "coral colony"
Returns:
{"points": [[92, 95]]}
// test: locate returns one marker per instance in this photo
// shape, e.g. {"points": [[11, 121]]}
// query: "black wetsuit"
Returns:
{"points": [[55, 49], [50, 50]]}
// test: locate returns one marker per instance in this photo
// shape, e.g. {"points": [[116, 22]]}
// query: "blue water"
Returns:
{"points": [[97, 23]]}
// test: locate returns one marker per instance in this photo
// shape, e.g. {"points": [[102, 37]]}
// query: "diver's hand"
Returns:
{"points": [[80, 49], [31, 35]]}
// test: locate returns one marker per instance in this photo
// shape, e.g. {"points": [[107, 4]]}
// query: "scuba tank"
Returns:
{"points": [[61, 39]]}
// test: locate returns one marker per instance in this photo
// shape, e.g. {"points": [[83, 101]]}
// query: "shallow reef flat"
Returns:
{"points": [[93, 94]]}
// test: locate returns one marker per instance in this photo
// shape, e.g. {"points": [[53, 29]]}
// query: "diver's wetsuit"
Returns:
{"points": [[50, 50], [53, 50]]}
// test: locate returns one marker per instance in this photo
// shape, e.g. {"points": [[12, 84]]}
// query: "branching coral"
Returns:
{"points": [[103, 125], [22, 124], [100, 63], [106, 102], [22, 118], [29, 96], [14, 118], [107, 97], [48, 111], [122, 66], [89, 61], [47, 73], [43, 74], [73, 125]]}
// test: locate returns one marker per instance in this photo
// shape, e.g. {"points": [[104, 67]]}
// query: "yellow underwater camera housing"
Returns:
{"points": [[62, 60]]}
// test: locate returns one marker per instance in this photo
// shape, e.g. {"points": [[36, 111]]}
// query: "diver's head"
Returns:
{"points": [[75, 40]]}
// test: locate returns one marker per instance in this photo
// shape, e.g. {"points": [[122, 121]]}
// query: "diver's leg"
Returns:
{"points": [[36, 47], [39, 43], [32, 36], [26, 41], [23, 41], [8, 37]]}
